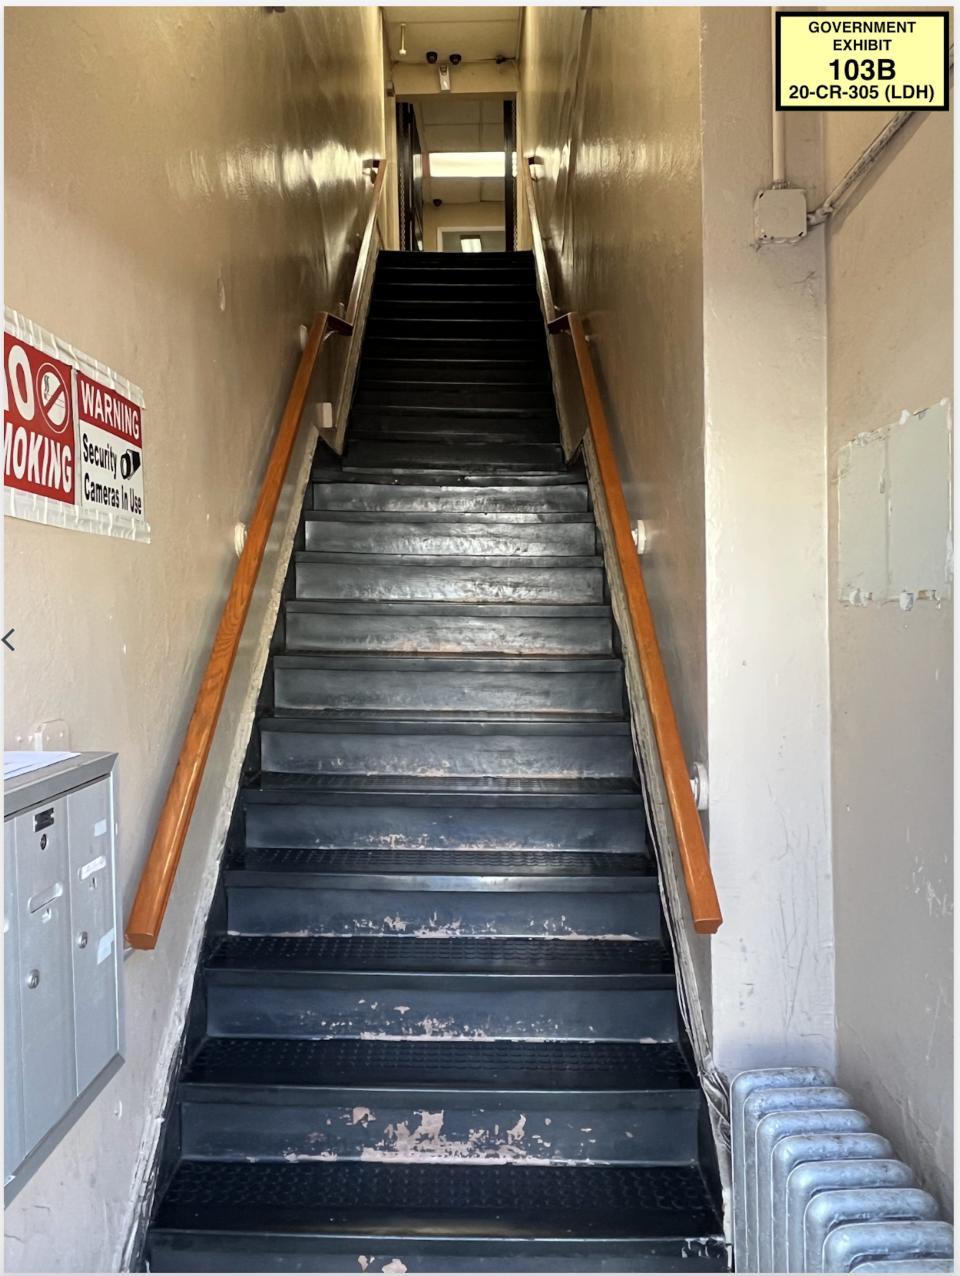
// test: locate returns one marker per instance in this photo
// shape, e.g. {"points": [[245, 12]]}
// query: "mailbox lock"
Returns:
{"points": [[83, 939], [43, 841], [33, 978]]}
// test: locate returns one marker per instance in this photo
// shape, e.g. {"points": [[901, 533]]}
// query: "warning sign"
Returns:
{"points": [[110, 450], [72, 437]]}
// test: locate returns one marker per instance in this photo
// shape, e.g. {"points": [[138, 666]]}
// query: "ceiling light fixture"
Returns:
{"points": [[468, 164], [471, 244], [402, 51]]}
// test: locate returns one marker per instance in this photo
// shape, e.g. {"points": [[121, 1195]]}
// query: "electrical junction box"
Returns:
{"points": [[780, 215], [63, 1023]]}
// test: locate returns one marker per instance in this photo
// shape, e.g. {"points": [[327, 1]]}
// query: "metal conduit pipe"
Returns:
{"points": [[866, 161]]}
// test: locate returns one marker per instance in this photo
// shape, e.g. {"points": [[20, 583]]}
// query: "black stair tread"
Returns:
{"points": [[467, 479], [428, 607], [438, 415], [412, 662], [534, 561], [517, 1065], [312, 870], [398, 257], [421, 1199], [455, 521], [453, 722], [445, 456], [471, 955], [384, 371], [280, 786], [387, 861]]}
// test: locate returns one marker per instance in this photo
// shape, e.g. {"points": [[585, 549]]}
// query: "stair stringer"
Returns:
{"points": [[676, 904]]}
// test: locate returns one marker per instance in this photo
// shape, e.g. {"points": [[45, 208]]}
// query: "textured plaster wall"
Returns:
{"points": [[889, 308], [183, 188], [766, 536]]}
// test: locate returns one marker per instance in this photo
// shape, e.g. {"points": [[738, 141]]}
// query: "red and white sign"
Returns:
{"points": [[72, 436]]}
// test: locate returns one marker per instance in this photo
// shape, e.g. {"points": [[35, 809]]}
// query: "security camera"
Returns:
{"points": [[437, 203], [432, 56], [456, 59]]}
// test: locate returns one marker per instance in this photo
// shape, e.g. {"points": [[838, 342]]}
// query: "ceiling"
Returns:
{"points": [[454, 123], [478, 34]]}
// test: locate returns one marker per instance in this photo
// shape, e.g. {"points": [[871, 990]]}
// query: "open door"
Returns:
{"points": [[509, 174], [410, 174]]}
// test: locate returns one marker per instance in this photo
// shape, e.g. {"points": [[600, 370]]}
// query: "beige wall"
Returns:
{"points": [[158, 161], [625, 248], [889, 308]]}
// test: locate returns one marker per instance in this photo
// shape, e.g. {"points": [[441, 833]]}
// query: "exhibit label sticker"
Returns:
{"points": [[888, 60]]}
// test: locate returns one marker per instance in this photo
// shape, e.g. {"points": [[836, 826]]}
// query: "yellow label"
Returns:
{"points": [[888, 59]]}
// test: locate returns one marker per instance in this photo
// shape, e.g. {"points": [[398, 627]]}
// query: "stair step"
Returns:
{"points": [[569, 579], [441, 453], [439, 498], [455, 479], [395, 341], [467, 480], [414, 327], [449, 684], [497, 372], [481, 628], [520, 288], [457, 1101], [576, 817], [479, 263], [469, 310], [466, 987], [301, 898], [557, 1066], [435, 746], [526, 535], [367, 1216], [510, 400], [408, 425]]}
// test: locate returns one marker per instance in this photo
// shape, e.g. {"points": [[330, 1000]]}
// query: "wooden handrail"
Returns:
{"points": [[156, 882], [691, 845]]}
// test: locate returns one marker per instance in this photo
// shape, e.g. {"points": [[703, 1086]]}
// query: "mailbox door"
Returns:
{"points": [[13, 1149], [46, 983], [93, 930]]}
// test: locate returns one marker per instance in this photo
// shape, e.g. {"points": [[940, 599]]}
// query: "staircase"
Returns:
{"points": [[435, 1026]]}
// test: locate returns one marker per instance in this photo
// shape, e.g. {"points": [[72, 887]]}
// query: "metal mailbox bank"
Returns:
{"points": [[62, 996]]}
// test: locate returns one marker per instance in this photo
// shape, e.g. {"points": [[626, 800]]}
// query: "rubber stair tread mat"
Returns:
{"points": [[459, 1200], [534, 1065], [534, 561], [495, 955], [406, 661], [467, 861], [452, 722], [562, 788], [429, 478], [438, 607], [482, 519]]}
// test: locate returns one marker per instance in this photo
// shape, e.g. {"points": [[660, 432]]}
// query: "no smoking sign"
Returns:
{"points": [[53, 395]]}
